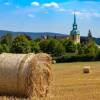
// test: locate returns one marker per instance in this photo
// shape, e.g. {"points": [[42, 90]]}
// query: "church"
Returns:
{"points": [[75, 34]]}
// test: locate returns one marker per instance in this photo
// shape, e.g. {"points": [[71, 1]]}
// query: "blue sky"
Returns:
{"points": [[50, 15]]}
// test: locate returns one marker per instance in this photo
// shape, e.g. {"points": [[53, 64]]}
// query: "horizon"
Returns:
{"points": [[53, 16]]}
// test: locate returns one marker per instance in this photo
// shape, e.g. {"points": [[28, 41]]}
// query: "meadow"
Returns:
{"points": [[70, 83]]}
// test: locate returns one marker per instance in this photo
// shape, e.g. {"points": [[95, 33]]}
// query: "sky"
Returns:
{"points": [[50, 16]]}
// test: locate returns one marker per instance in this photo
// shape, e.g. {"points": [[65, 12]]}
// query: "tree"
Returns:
{"points": [[80, 48], [6, 42], [53, 47], [98, 55], [43, 45], [27, 36], [4, 48], [1, 49], [21, 45], [69, 46], [91, 48], [34, 46]]}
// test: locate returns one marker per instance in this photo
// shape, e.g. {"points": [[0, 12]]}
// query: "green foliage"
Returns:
{"points": [[98, 55], [53, 47], [7, 39], [1, 49], [69, 46], [43, 45], [74, 58], [4, 48], [80, 49], [34, 46], [6, 42], [91, 48], [27, 36], [21, 45]]}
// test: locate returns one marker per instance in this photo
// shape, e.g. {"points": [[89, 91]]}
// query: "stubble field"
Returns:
{"points": [[70, 83]]}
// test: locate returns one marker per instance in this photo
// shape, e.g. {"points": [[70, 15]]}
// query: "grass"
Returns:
{"points": [[70, 83]]}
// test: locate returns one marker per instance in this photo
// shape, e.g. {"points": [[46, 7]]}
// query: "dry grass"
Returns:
{"points": [[70, 83]]}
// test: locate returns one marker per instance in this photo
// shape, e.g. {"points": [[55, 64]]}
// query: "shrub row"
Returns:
{"points": [[75, 58]]}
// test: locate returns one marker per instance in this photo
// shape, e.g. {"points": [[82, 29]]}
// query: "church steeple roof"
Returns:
{"points": [[74, 24], [75, 29], [74, 19]]}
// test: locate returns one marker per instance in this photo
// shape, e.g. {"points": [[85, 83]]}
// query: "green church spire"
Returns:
{"points": [[74, 19], [74, 24]]}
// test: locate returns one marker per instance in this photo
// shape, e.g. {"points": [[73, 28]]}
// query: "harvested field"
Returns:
{"points": [[70, 83]]}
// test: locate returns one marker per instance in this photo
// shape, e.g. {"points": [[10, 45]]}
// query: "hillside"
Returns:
{"points": [[35, 35]]}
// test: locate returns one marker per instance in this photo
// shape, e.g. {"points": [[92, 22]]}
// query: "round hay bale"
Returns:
{"points": [[86, 69], [25, 75], [54, 61]]}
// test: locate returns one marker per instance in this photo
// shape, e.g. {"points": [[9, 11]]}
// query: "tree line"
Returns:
{"points": [[64, 50]]}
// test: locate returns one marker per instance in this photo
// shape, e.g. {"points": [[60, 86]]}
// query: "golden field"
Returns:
{"points": [[70, 83]]}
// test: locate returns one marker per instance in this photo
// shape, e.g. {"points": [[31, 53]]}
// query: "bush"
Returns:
{"points": [[98, 55], [6, 42], [21, 45], [69, 45], [34, 46], [4, 48], [74, 58], [53, 47]]}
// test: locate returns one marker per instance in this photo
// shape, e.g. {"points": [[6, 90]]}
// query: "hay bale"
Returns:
{"points": [[86, 69], [54, 61], [24, 75]]}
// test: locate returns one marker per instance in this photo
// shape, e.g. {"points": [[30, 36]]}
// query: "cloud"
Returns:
{"points": [[7, 3], [96, 14], [62, 10], [31, 15], [87, 14], [35, 4], [50, 5]]}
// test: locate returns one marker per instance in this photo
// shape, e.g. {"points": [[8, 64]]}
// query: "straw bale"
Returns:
{"points": [[25, 75], [86, 69], [54, 61]]}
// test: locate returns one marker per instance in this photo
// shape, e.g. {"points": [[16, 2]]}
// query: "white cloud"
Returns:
{"points": [[35, 4], [65, 10], [62, 10], [96, 14], [31, 15], [50, 5], [7, 3], [86, 14]]}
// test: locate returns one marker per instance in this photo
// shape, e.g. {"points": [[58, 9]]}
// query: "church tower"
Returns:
{"points": [[74, 34]]}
